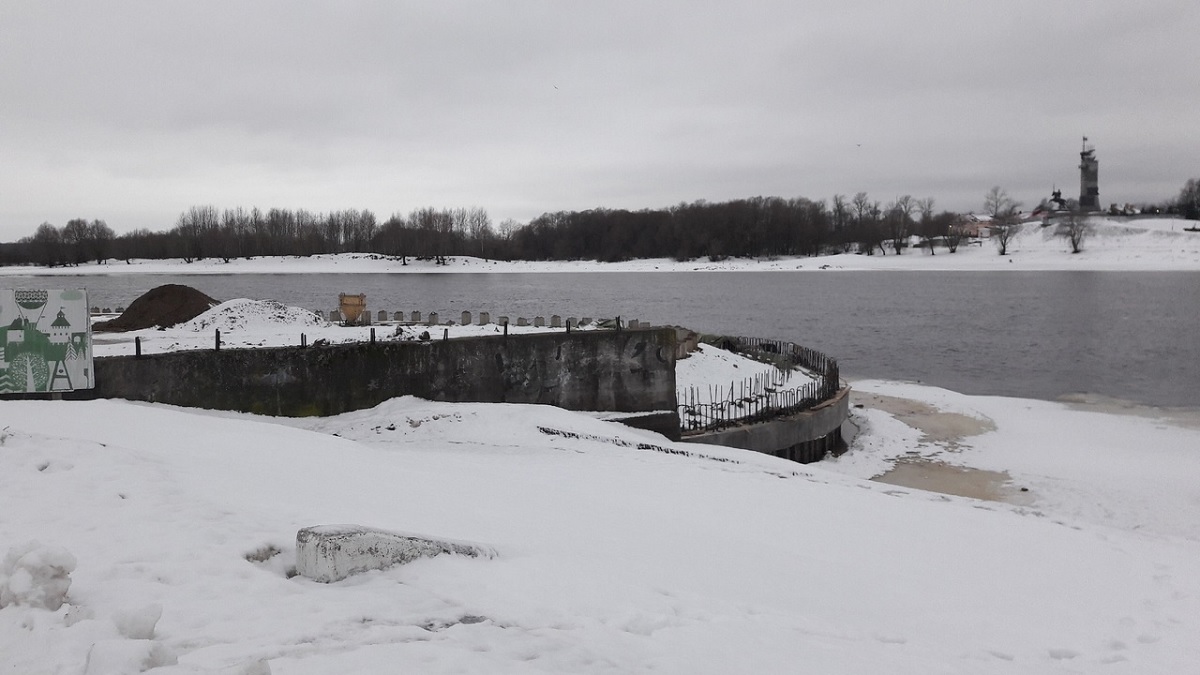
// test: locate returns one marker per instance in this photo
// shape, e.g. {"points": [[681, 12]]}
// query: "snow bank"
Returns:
{"points": [[246, 314], [36, 576], [127, 657], [618, 556]]}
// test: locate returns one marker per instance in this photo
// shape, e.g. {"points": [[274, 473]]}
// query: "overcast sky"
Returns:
{"points": [[132, 112]]}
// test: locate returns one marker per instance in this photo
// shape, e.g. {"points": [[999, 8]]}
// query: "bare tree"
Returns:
{"points": [[956, 231], [1006, 222], [479, 229], [997, 202], [1003, 231], [839, 214], [1075, 228], [866, 222], [899, 221], [75, 240], [100, 238], [1189, 199], [196, 228], [47, 245], [925, 206]]}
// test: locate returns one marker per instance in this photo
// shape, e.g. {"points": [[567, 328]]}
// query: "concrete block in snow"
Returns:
{"points": [[328, 553]]}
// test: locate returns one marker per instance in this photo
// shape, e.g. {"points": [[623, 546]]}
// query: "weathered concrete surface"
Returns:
{"points": [[625, 371], [776, 436], [665, 422], [328, 553]]}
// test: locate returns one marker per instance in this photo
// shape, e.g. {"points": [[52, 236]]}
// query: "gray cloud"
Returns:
{"points": [[134, 111]]}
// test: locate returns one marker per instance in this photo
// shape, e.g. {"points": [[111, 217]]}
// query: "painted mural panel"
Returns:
{"points": [[45, 341]]}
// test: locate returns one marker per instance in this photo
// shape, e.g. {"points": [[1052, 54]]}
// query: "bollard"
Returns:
{"points": [[555, 321], [416, 317], [466, 318], [445, 334], [372, 335], [303, 340], [398, 316], [539, 321], [505, 329], [137, 346], [382, 316], [522, 321], [218, 342], [618, 322], [484, 318], [433, 319]]}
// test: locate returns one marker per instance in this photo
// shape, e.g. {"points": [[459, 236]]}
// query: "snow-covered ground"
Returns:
{"points": [[1149, 244], [611, 558], [247, 323], [618, 551]]}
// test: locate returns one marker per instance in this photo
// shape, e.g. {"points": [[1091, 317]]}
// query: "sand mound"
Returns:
{"points": [[246, 314], [158, 308]]}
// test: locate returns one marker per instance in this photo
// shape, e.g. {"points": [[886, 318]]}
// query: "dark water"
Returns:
{"points": [[1133, 336]]}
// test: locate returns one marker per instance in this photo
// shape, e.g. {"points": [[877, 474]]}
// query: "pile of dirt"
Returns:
{"points": [[158, 308]]}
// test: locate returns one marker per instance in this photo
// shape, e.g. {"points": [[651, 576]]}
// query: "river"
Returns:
{"points": [[1125, 335]]}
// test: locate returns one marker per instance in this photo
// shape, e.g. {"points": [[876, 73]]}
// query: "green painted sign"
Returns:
{"points": [[45, 341]]}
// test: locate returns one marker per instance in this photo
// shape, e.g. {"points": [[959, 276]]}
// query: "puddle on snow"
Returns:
{"points": [[934, 476]]}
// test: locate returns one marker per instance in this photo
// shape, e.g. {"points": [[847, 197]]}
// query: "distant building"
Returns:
{"points": [[1089, 179]]}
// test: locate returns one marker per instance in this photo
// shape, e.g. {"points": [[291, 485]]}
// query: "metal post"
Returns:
{"points": [[372, 335], [137, 346], [303, 340], [218, 340], [445, 334]]}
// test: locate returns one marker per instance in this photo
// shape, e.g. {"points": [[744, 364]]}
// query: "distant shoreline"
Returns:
{"points": [[1155, 245]]}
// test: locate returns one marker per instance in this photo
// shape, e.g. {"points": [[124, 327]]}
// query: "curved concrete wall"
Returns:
{"points": [[622, 371], [804, 436]]}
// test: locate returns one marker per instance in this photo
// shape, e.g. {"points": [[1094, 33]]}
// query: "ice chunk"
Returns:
{"points": [[138, 624], [36, 576]]}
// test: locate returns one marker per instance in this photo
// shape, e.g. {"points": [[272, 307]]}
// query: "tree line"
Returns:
{"points": [[752, 227], [203, 232]]}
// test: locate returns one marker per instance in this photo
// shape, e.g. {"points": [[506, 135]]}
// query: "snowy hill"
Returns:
{"points": [[611, 558]]}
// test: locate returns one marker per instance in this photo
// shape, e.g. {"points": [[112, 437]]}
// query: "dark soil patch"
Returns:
{"points": [[158, 308]]}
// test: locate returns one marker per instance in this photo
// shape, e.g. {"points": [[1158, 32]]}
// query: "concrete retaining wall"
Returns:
{"points": [[803, 437], [622, 371]]}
